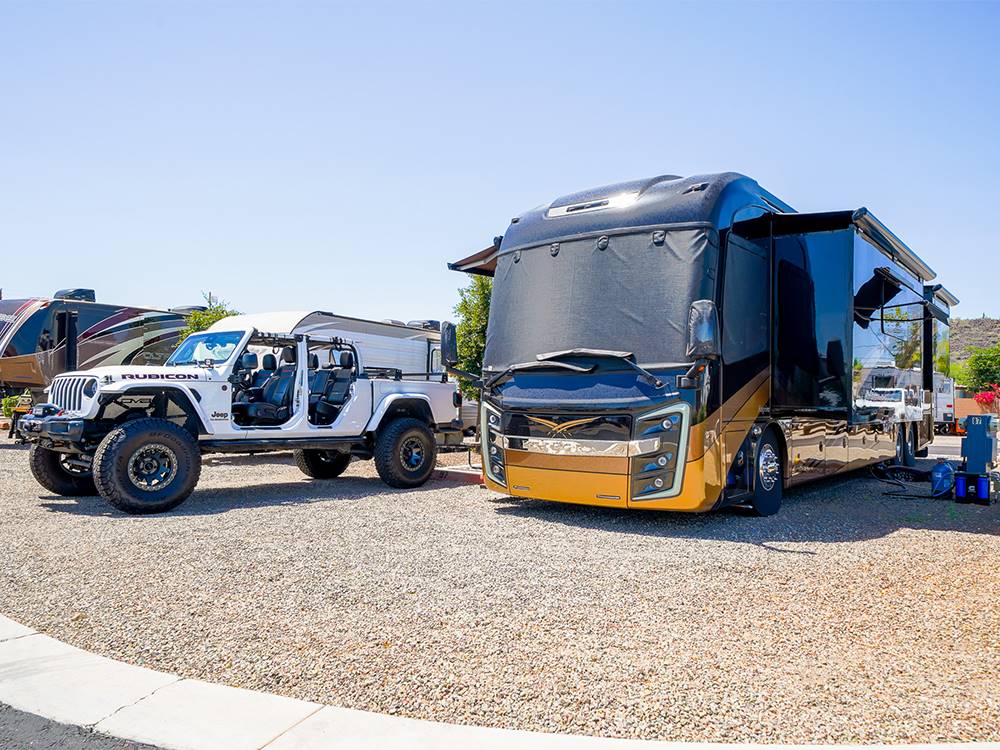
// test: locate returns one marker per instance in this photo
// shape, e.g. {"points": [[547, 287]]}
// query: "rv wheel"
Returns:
{"points": [[910, 445], [53, 471], [405, 453], [322, 464], [147, 466], [768, 475], [900, 457]]}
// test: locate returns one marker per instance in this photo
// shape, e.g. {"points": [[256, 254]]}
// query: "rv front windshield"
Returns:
{"points": [[623, 292], [200, 347]]}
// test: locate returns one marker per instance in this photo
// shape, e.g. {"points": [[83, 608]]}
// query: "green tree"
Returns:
{"points": [[959, 372], [983, 368], [473, 311], [215, 310]]}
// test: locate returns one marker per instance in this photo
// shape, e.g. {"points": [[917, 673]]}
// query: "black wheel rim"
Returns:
{"points": [[152, 467], [73, 469], [412, 453]]}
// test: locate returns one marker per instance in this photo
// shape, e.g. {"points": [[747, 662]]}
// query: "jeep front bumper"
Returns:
{"points": [[52, 431]]}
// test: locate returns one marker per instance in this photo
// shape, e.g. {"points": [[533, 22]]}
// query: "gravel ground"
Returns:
{"points": [[848, 617]]}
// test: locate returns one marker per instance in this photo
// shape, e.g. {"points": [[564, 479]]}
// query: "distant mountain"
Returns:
{"points": [[972, 333]]}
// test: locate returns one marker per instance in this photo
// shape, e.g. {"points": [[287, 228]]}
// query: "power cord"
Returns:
{"points": [[916, 475]]}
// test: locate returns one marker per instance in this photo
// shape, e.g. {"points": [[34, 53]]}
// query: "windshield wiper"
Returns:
{"points": [[503, 374], [627, 357]]}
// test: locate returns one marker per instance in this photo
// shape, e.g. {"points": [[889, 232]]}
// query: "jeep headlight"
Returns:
{"points": [[90, 389]]}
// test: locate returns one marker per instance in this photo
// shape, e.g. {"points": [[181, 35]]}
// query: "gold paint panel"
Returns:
{"points": [[597, 464], [587, 488]]}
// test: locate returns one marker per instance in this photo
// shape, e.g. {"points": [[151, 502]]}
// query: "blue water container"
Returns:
{"points": [[942, 479], [960, 488], [982, 488]]}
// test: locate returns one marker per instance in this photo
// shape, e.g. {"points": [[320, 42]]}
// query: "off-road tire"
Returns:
{"points": [[390, 447], [122, 445], [768, 481], [322, 464], [48, 470]]}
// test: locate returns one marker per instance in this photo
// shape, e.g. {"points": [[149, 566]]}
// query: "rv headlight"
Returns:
{"points": [[90, 389]]}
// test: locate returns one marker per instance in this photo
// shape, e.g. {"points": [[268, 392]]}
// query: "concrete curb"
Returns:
{"points": [[43, 676]]}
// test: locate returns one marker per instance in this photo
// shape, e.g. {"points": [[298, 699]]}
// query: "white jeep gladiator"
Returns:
{"points": [[136, 434]]}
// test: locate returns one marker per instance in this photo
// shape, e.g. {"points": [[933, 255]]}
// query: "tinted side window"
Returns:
{"points": [[812, 314], [746, 302]]}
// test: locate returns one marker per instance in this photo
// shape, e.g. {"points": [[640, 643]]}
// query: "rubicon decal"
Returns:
{"points": [[159, 376]]}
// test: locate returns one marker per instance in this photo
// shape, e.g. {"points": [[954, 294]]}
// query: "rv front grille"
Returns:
{"points": [[67, 392]]}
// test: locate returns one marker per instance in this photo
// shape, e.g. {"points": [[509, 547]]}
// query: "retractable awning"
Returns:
{"points": [[483, 263]]}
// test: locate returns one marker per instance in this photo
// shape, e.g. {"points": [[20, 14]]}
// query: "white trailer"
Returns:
{"points": [[414, 352], [944, 404]]}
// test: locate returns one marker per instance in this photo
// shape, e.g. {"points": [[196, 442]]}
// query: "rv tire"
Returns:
{"points": [[769, 475], [50, 471]]}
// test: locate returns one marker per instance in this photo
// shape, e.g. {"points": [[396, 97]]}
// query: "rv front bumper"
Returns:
{"points": [[649, 469], [51, 431]]}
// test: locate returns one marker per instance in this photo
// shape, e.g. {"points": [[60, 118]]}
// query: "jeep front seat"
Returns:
{"points": [[276, 395]]}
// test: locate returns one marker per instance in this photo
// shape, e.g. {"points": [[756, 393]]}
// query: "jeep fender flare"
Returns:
{"points": [[186, 394], [417, 405]]}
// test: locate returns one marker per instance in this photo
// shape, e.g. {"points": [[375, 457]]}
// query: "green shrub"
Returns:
{"points": [[982, 368], [9, 402]]}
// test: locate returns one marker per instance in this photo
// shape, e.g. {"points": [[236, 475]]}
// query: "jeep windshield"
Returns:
{"points": [[201, 347], [632, 295]]}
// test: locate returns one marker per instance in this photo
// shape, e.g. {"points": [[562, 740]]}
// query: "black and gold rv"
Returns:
{"points": [[690, 343]]}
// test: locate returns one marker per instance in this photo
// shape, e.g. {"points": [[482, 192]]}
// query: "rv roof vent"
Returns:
{"points": [[393, 322], [427, 325], [188, 309], [80, 295]]}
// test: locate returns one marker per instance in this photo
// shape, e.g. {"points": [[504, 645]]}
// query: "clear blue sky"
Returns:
{"points": [[335, 156]]}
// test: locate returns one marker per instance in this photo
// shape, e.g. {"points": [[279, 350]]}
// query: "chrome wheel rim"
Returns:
{"points": [[412, 454], [152, 467], [768, 467]]}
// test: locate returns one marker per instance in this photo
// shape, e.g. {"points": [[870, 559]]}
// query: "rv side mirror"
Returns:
{"points": [[249, 361], [703, 330], [449, 345]]}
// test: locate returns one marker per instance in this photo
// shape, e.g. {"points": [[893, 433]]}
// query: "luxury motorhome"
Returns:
{"points": [[45, 336], [690, 343]]}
